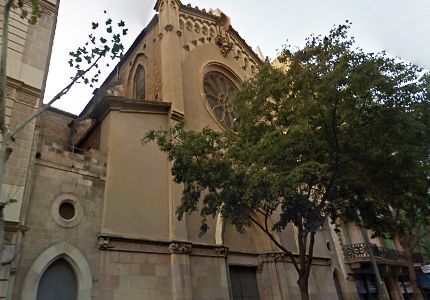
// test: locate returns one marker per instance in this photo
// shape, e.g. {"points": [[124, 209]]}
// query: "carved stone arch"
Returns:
{"points": [[76, 260], [140, 60], [197, 27]]}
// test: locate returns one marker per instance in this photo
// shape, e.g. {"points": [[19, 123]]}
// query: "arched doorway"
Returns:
{"points": [[58, 282], [60, 253]]}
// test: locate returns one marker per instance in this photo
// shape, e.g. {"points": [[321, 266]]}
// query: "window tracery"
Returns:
{"points": [[139, 83], [219, 90]]}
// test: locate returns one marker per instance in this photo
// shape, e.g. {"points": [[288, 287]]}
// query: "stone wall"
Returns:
{"points": [[29, 45], [134, 276], [63, 176], [54, 127]]}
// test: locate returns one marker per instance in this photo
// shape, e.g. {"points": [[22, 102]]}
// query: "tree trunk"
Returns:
{"points": [[304, 288], [4, 155], [417, 295]]}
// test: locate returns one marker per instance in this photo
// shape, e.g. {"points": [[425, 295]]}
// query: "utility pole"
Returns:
{"points": [[382, 289]]}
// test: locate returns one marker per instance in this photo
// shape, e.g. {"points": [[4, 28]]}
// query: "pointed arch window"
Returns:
{"points": [[58, 282], [139, 83]]}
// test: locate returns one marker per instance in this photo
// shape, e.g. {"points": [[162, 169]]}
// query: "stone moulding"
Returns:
{"points": [[107, 242]]}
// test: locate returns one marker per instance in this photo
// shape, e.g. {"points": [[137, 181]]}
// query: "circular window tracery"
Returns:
{"points": [[219, 90]]}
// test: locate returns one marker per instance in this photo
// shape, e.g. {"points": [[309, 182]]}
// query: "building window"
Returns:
{"points": [[244, 283], [58, 282], [366, 287], [219, 90], [67, 210], [139, 83]]}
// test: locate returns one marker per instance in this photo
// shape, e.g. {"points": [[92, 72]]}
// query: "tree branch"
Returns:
{"points": [[42, 109], [419, 238], [272, 238], [310, 254]]}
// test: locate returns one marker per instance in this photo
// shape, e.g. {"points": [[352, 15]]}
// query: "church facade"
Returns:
{"points": [[100, 215]]}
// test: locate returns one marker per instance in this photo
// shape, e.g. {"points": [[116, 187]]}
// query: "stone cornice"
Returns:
{"points": [[47, 7], [21, 86], [112, 103], [110, 242], [195, 11], [13, 226]]}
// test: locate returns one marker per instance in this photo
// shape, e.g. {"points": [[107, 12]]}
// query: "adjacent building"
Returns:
{"points": [[29, 50]]}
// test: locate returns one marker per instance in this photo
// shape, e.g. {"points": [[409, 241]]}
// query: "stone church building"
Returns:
{"points": [[99, 216]]}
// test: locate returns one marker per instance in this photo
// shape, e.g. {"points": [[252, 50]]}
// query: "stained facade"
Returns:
{"points": [[101, 206]]}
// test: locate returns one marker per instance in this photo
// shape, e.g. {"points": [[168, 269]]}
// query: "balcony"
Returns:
{"points": [[359, 253]]}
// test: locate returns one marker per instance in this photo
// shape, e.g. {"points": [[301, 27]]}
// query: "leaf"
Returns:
{"points": [[121, 24], [24, 14], [94, 25], [109, 29]]}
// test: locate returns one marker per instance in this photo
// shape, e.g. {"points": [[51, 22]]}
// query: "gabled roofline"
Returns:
{"points": [[61, 112], [130, 50], [209, 15], [186, 9]]}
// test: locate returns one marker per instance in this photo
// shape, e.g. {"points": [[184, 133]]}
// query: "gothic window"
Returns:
{"points": [[139, 83], [219, 90], [244, 283], [58, 282]]}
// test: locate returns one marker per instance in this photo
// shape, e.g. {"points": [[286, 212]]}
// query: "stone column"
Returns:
{"points": [[222, 252], [171, 66], [180, 269], [267, 277]]}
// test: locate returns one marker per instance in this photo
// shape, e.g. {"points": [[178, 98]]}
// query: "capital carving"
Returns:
{"points": [[180, 248], [222, 251], [224, 44], [271, 257], [168, 27], [104, 243]]}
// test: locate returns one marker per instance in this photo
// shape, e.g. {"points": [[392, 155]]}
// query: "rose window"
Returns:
{"points": [[219, 90]]}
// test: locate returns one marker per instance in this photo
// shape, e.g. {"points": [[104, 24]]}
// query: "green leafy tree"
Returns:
{"points": [[397, 204], [104, 43], [297, 156]]}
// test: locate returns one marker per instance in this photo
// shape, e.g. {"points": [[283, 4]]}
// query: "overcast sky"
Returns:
{"points": [[401, 27]]}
